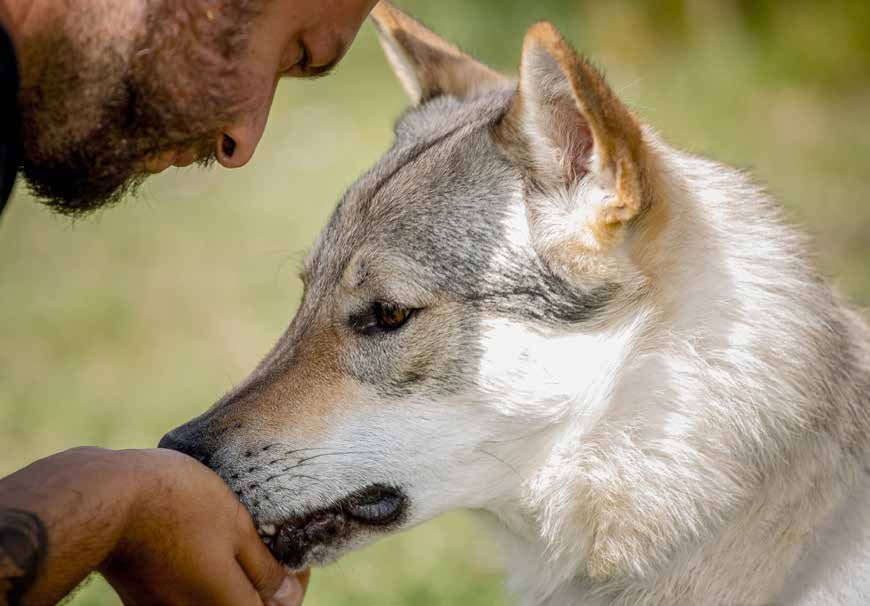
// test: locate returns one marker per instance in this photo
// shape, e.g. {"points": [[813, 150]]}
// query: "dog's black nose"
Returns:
{"points": [[186, 446]]}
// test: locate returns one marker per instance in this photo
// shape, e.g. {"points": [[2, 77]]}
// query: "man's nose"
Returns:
{"points": [[186, 445], [235, 147]]}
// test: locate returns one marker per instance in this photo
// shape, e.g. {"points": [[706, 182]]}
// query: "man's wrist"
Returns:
{"points": [[143, 483], [76, 506]]}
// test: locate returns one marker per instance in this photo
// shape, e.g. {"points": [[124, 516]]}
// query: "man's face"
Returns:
{"points": [[118, 89]]}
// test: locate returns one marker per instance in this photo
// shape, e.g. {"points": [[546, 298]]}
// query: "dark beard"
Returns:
{"points": [[91, 119]]}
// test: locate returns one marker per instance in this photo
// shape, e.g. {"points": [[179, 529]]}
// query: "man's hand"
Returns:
{"points": [[188, 540], [162, 528]]}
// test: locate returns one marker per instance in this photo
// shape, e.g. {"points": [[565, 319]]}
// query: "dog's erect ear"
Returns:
{"points": [[566, 124], [426, 64]]}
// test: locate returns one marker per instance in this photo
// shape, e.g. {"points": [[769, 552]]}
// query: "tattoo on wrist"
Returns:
{"points": [[22, 549]]}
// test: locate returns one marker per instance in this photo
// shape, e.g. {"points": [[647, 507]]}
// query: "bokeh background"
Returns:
{"points": [[119, 327]]}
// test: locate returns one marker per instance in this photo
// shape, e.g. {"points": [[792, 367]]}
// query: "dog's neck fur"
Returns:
{"points": [[723, 442]]}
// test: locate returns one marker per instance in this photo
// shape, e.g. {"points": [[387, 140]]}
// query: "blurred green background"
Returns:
{"points": [[121, 326]]}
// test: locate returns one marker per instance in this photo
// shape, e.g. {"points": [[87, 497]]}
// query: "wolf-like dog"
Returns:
{"points": [[534, 307]]}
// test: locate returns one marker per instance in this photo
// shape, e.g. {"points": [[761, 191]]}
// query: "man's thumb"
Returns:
{"points": [[290, 593], [275, 585]]}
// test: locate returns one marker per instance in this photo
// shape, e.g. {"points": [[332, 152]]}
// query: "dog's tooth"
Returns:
{"points": [[266, 530]]}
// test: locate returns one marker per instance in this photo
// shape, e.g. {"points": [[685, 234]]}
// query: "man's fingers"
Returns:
{"points": [[276, 586], [235, 589]]}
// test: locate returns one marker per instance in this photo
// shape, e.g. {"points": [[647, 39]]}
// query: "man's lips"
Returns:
{"points": [[372, 507]]}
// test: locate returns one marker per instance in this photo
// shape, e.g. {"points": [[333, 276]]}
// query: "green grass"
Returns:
{"points": [[116, 328]]}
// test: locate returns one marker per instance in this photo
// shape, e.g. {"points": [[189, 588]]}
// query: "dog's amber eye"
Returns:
{"points": [[381, 317], [391, 317]]}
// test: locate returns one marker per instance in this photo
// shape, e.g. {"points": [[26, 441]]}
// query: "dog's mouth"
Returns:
{"points": [[295, 540]]}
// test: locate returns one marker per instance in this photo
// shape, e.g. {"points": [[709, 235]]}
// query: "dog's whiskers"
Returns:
{"points": [[290, 476]]}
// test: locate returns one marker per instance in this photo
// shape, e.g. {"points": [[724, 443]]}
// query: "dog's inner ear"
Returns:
{"points": [[567, 125], [426, 64]]}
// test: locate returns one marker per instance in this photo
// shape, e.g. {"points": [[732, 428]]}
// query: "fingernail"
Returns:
{"points": [[288, 594]]}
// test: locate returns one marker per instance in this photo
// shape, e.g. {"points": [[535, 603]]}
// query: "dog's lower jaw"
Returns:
{"points": [[320, 536]]}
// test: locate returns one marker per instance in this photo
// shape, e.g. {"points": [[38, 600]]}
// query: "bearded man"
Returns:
{"points": [[94, 96]]}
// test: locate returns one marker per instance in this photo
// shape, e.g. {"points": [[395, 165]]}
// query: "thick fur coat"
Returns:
{"points": [[534, 307]]}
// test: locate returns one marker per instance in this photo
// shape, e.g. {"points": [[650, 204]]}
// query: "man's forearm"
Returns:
{"points": [[59, 520]]}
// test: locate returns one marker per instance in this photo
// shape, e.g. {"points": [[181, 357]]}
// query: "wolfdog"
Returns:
{"points": [[534, 307]]}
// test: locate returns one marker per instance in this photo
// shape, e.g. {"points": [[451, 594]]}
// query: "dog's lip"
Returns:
{"points": [[375, 506]]}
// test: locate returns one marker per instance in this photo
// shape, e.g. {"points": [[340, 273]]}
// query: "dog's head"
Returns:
{"points": [[465, 298]]}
